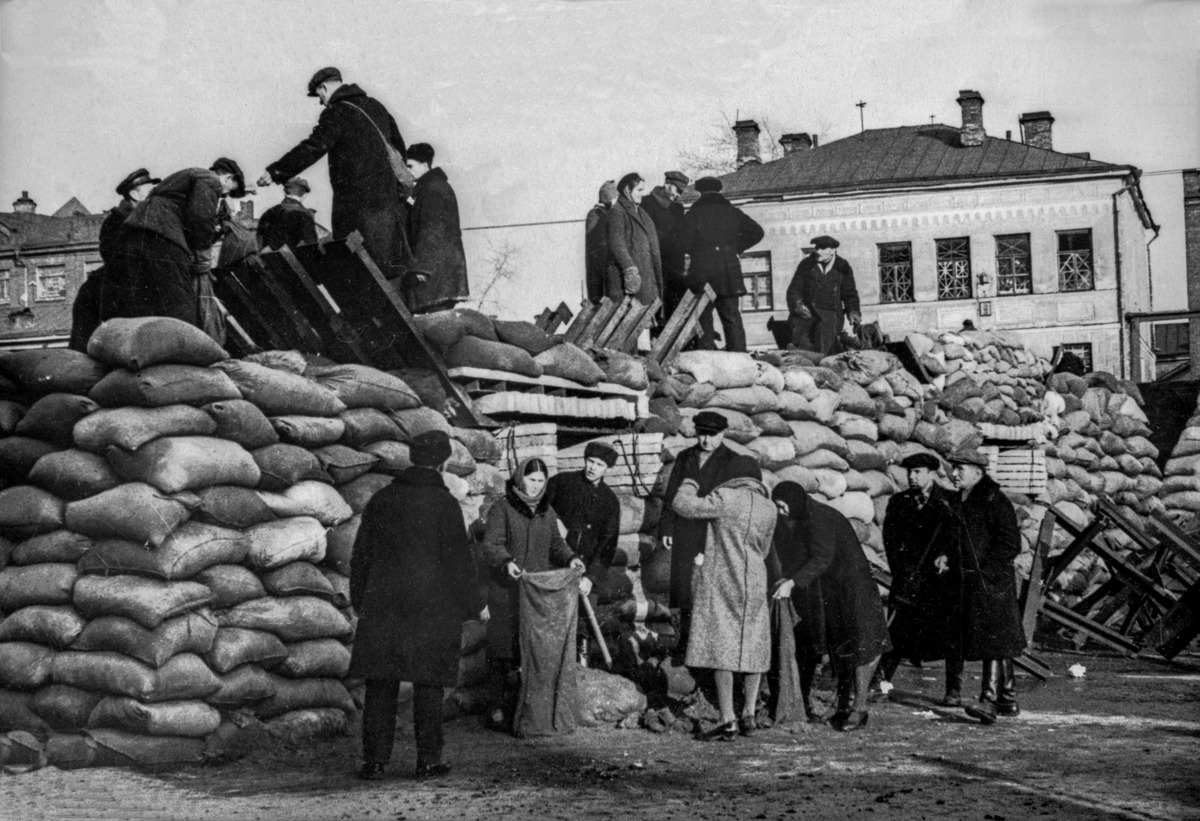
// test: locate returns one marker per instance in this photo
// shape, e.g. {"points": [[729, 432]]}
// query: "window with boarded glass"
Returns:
{"points": [[895, 272], [954, 268], [1075, 267], [756, 273], [51, 283], [1014, 269]]}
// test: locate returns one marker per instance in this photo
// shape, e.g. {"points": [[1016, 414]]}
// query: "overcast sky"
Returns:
{"points": [[530, 105]]}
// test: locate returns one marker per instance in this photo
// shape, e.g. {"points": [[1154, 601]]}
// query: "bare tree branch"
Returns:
{"points": [[717, 154], [502, 258]]}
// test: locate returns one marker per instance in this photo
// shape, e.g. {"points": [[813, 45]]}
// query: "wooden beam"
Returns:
{"points": [[1031, 594], [631, 339], [675, 323], [599, 319], [626, 305], [689, 327], [586, 311], [1073, 621]]}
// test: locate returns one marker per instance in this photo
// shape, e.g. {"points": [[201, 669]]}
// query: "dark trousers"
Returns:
{"points": [[729, 309], [157, 278], [379, 721], [85, 312]]}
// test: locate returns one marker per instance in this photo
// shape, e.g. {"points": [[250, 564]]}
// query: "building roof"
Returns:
{"points": [[73, 208], [902, 157], [33, 231]]}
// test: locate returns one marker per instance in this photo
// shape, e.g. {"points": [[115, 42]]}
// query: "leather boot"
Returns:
{"points": [[884, 672], [954, 672], [1006, 697], [985, 709]]}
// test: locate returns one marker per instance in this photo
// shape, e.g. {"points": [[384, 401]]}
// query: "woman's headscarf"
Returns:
{"points": [[795, 497], [525, 468]]}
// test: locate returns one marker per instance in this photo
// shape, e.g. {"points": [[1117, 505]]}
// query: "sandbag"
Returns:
{"points": [[472, 352], [480, 444], [56, 546], [65, 708], [41, 371], [297, 538], [414, 422], [139, 342], [460, 462], [622, 369], [149, 602], [240, 421], [309, 431], [830, 483], [53, 626], [298, 579], [340, 543], [281, 466], [296, 618], [821, 459], [53, 417], [313, 499], [360, 386], [73, 474], [799, 381], [193, 719], [524, 335], [184, 676], [722, 369], [360, 491], [393, 457], [638, 514], [235, 646], [230, 585], [362, 426], [130, 428], [854, 505], [603, 699], [800, 475], [24, 665], [279, 393], [809, 436], [344, 464], [10, 416], [133, 511], [163, 385], [193, 547], [19, 454], [244, 685], [298, 694], [290, 361], [855, 427], [16, 713], [117, 748], [854, 399], [864, 456], [751, 400], [230, 506], [176, 463], [29, 511], [771, 424], [445, 328], [773, 452], [47, 584], [568, 361], [318, 658], [192, 632]]}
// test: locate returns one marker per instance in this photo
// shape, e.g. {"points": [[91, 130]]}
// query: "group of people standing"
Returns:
{"points": [[159, 244]]}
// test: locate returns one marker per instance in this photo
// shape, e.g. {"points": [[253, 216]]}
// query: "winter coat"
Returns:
{"points": [[927, 603], [788, 554], [731, 621], [829, 297], [289, 223], [412, 582], [689, 535], [595, 248], [436, 237], [592, 516], [992, 627], [514, 533], [714, 233], [184, 208], [110, 229], [668, 218], [633, 243], [366, 195]]}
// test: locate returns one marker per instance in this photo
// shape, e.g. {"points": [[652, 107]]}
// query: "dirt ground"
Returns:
{"points": [[1121, 743]]}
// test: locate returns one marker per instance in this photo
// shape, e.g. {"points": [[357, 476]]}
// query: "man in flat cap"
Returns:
{"points": [[290, 222], [412, 584], [167, 246], [592, 516], [714, 234], [438, 277], [667, 214], [367, 196], [97, 299], [821, 296], [596, 256], [920, 539], [992, 629], [709, 463]]}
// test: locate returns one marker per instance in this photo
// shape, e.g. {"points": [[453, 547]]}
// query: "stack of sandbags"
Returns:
{"points": [[1181, 484]]}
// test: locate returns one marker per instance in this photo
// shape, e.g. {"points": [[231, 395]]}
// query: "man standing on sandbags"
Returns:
{"points": [[289, 223], [633, 246], [438, 280], [920, 539], [592, 516], [821, 296], [595, 247], [708, 463], [667, 214], [412, 584], [714, 233]]}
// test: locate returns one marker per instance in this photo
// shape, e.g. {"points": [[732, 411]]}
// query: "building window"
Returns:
{"points": [[1081, 349], [51, 283], [756, 273], [1014, 273], [895, 272], [954, 268], [1075, 261], [5, 279]]}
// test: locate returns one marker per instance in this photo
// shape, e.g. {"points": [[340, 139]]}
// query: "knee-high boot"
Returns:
{"points": [[954, 672], [1006, 697], [985, 709]]}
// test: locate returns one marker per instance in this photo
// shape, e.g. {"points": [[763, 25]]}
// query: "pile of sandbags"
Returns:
{"points": [[1181, 482]]}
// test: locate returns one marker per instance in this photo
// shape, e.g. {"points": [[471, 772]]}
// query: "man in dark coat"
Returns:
{"points": [[667, 214], [92, 306], [709, 463], [412, 584], [633, 246], [167, 245], [920, 538], [992, 629], [596, 257], [821, 296], [289, 223], [714, 233], [367, 197], [438, 280]]}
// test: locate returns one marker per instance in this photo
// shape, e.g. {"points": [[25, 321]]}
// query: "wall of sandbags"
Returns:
{"points": [[176, 529], [1181, 485]]}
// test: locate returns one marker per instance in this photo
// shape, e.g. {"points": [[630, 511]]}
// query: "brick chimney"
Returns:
{"points": [[971, 134], [1037, 129], [24, 205], [796, 142], [747, 132]]}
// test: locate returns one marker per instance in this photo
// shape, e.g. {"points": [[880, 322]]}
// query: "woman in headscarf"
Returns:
{"points": [[855, 626], [521, 536]]}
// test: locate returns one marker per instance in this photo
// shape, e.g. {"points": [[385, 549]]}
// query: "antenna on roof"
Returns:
{"points": [[931, 119], [860, 105]]}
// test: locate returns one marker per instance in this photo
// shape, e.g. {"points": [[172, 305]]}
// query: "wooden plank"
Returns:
{"points": [[333, 313], [292, 311], [629, 345], [599, 319], [1034, 667], [1073, 621], [690, 327], [1034, 588], [1171, 533], [1131, 577], [1055, 568], [639, 316], [549, 320], [1172, 633], [237, 301], [626, 305], [675, 323], [586, 311]]}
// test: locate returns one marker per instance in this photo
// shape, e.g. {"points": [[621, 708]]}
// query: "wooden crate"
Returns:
{"points": [[519, 442], [1019, 470]]}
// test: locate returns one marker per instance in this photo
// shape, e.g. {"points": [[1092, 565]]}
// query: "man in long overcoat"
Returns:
{"points": [[438, 279], [821, 296], [920, 538], [709, 463], [636, 267], [595, 248], [367, 197], [290, 222], [412, 584], [714, 233], [666, 212], [992, 629]]}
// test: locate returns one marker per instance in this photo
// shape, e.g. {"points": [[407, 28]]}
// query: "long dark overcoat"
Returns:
{"points": [[412, 583], [436, 237], [514, 533], [714, 233], [633, 242], [289, 223], [992, 626], [927, 603], [689, 535], [829, 296], [366, 195], [595, 249], [592, 516], [668, 218]]}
